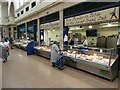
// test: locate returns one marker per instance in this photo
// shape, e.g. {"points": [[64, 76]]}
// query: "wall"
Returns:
{"points": [[102, 31], [53, 8], [4, 17], [0, 15], [52, 34], [108, 31], [4, 13]]}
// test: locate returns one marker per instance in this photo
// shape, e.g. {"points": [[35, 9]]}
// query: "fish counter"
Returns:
{"points": [[101, 62], [21, 44], [43, 51]]}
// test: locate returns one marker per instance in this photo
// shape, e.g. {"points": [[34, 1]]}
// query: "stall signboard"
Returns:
{"points": [[50, 25], [93, 17]]}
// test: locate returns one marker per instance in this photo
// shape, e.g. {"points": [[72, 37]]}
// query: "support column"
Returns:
{"points": [[5, 31], [12, 31], [61, 28], [38, 31]]}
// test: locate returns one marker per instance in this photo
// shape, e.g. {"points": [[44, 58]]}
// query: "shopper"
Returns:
{"points": [[73, 41], [54, 53], [6, 38], [84, 41], [5, 49]]}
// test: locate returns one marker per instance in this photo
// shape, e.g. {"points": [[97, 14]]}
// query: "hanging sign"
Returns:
{"points": [[98, 16], [50, 25]]}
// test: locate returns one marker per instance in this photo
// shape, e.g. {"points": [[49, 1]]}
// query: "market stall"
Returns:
{"points": [[21, 44], [43, 51], [98, 61]]}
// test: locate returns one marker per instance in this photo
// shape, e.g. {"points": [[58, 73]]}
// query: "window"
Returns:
{"points": [[27, 9], [22, 12], [9, 29], [33, 4], [18, 15], [42, 20], [14, 28], [52, 17], [86, 7]]}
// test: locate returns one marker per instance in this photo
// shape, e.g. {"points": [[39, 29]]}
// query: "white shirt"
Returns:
{"points": [[75, 41], [85, 43], [5, 44], [118, 40]]}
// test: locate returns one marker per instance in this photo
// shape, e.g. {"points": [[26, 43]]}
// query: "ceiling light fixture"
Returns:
{"points": [[77, 28], [53, 30], [90, 26], [109, 24]]}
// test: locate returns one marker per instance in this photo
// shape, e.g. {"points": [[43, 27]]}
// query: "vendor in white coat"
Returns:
{"points": [[54, 53]]}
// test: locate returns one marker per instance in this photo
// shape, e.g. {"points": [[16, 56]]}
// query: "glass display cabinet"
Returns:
{"points": [[21, 44], [43, 51], [98, 61]]}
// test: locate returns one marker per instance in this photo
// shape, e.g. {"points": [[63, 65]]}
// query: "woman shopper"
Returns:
{"points": [[73, 41], [5, 49]]}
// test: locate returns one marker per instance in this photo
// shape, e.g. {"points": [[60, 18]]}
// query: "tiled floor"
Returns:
{"points": [[22, 71]]}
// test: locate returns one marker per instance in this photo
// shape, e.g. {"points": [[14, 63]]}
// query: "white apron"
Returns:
{"points": [[54, 53]]}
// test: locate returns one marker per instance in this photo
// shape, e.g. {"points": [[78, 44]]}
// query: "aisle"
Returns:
{"points": [[22, 71]]}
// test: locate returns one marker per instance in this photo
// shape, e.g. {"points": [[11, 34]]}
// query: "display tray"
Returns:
{"points": [[88, 62], [105, 71], [20, 46], [23, 46], [46, 54]]}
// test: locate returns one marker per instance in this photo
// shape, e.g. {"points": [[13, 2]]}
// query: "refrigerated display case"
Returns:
{"points": [[98, 61], [21, 44], [43, 51]]}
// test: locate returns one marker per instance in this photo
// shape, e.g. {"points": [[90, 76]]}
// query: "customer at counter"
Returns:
{"points": [[54, 53], [84, 41], [73, 41]]}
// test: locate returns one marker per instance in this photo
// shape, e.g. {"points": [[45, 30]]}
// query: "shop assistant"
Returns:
{"points": [[73, 41], [84, 41]]}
